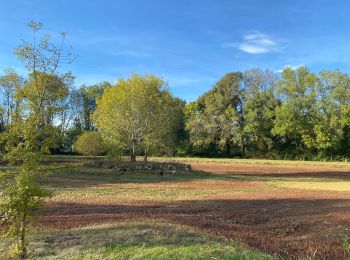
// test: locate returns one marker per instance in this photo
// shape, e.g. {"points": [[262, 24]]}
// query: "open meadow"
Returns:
{"points": [[174, 130], [221, 209]]}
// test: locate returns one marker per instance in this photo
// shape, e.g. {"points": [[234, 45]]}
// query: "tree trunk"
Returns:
{"points": [[243, 146], [227, 148], [145, 158], [23, 246], [132, 152]]}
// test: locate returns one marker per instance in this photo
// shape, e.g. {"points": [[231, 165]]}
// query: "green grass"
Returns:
{"points": [[79, 184], [216, 160], [136, 240], [254, 161], [84, 184], [323, 184]]}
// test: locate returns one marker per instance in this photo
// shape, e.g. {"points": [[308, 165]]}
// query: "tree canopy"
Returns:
{"points": [[139, 113]]}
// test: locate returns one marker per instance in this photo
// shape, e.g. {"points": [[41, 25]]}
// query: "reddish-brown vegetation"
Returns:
{"points": [[287, 222]]}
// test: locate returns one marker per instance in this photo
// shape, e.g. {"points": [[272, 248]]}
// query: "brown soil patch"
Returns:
{"points": [[288, 227]]}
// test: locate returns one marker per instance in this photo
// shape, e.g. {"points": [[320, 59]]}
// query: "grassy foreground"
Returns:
{"points": [[135, 240], [286, 208]]}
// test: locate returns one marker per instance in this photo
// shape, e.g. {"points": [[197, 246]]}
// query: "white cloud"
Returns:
{"points": [[293, 67], [256, 43], [253, 49]]}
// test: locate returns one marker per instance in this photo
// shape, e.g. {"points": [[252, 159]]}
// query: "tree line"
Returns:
{"points": [[258, 113], [295, 114]]}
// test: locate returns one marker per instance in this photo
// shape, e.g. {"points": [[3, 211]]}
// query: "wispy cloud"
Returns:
{"points": [[256, 43], [293, 67]]}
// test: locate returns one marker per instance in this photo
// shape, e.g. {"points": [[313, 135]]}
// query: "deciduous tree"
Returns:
{"points": [[297, 114], [259, 107], [216, 120], [137, 113], [28, 138]]}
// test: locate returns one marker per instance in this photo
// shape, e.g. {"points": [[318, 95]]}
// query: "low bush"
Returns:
{"points": [[90, 144]]}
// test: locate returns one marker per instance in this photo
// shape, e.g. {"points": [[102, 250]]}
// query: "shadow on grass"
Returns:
{"points": [[287, 227], [80, 176], [262, 210], [147, 240], [70, 172], [85, 176]]}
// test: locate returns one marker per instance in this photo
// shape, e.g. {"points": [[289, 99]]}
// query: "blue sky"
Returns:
{"points": [[190, 43]]}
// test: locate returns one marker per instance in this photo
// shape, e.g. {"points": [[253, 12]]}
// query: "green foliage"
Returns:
{"points": [[90, 143], [215, 121], [191, 109], [87, 97], [21, 195], [333, 110], [313, 114], [134, 114], [299, 114], [11, 84], [43, 93], [259, 110], [345, 242], [71, 135], [296, 115]]}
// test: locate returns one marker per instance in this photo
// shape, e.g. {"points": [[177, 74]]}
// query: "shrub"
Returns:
{"points": [[345, 242], [91, 144]]}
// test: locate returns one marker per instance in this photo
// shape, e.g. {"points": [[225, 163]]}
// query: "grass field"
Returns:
{"points": [[223, 209]]}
